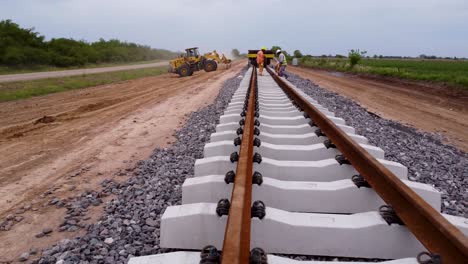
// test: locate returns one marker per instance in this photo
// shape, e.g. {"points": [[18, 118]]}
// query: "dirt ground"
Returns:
{"points": [[62, 144], [428, 108]]}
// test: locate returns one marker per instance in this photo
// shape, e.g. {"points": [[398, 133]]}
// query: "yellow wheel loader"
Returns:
{"points": [[192, 61], [215, 56]]}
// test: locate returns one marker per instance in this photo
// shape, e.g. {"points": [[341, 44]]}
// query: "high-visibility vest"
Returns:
{"points": [[283, 62], [260, 57]]}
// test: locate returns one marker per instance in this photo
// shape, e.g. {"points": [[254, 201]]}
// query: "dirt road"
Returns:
{"points": [[59, 145], [425, 108], [55, 74]]}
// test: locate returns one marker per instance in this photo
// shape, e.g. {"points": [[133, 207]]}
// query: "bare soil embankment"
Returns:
{"points": [[60, 145]]}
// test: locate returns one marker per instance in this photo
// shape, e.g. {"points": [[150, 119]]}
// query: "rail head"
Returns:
{"points": [[437, 234], [236, 245]]}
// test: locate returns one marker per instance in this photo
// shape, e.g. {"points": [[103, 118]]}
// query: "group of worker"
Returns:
{"points": [[280, 59]]}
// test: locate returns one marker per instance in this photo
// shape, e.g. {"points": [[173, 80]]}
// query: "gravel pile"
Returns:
{"points": [[427, 158], [130, 224]]}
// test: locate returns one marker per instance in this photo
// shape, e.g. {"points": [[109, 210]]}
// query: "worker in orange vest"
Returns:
{"points": [[261, 59]]}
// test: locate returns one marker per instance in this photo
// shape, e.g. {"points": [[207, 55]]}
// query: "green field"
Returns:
{"points": [[21, 90], [453, 72]]}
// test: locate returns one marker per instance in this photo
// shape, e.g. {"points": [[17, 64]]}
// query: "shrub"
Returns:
{"points": [[355, 56], [297, 54], [322, 61]]}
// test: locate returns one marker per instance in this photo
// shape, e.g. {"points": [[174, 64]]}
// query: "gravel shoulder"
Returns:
{"points": [[55, 74], [428, 159], [432, 109], [130, 224], [62, 146]]}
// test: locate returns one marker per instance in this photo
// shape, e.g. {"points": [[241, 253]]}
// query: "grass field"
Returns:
{"points": [[25, 89], [441, 71], [12, 70]]}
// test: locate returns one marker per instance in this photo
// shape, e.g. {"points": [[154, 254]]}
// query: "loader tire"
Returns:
{"points": [[185, 71], [210, 65]]}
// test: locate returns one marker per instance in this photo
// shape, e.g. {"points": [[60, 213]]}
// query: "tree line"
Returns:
{"points": [[22, 47], [298, 54]]}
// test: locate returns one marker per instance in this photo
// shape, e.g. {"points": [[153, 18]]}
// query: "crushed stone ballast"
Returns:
{"points": [[280, 179]]}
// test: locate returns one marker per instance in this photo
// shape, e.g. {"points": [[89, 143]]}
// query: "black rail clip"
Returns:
{"points": [[229, 177], [389, 215], [258, 256], [257, 142], [237, 141], [319, 133], [234, 157], [223, 207], [257, 178], [342, 159], [359, 181], [258, 209], [257, 158], [256, 131], [329, 144], [428, 258], [210, 255]]}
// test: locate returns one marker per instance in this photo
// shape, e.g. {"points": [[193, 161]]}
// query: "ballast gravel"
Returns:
{"points": [[428, 159], [130, 224]]}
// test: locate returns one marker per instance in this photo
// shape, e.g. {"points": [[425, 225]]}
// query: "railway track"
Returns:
{"points": [[283, 175]]}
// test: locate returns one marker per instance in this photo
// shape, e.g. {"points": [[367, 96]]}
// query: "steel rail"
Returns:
{"points": [[236, 245], [437, 234]]}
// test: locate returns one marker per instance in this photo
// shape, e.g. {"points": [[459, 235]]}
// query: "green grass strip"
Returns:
{"points": [[11, 91], [454, 73]]}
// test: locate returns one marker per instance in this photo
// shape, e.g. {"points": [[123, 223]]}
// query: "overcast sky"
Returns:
{"points": [[396, 27]]}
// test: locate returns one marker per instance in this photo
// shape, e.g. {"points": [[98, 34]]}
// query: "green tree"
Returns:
{"points": [[20, 47], [235, 53], [355, 56], [275, 48], [297, 54]]}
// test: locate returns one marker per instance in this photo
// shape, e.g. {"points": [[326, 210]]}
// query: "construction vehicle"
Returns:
{"points": [[215, 56], [192, 61], [252, 57]]}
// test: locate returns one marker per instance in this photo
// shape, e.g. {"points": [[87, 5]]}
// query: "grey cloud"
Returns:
{"points": [[397, 27]]}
